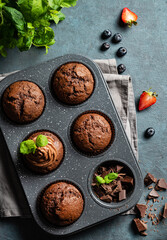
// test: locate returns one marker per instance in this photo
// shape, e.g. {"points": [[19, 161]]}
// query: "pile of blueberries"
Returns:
{"points": [[115, 39]]}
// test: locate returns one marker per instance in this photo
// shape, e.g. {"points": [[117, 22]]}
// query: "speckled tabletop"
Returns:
{"points": [[146, 63]]}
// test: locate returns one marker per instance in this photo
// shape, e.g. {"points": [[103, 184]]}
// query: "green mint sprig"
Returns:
{"points": [[27, 23], [41, 141], [107, 179], [29, 146]]}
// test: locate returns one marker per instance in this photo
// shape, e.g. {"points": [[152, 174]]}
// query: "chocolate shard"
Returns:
{"points": [[161, 184], [165, 211], [143, 233], [98, 190], [127, 180], [106, 198], [122, 195], [118, 188], [119, 168], [107, 189], [105, 173], [141, 226], [153, 194], [149, 178], [142, 209]]}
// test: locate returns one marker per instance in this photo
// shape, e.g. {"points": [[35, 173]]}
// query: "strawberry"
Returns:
{"points": [[147, 99], [129, 17]]}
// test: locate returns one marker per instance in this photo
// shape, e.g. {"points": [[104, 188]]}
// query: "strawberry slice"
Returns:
{"points": [[147, 98], [129, 17]]}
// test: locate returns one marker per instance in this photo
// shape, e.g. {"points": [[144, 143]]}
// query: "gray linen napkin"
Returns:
{"points": [[12, 199]]}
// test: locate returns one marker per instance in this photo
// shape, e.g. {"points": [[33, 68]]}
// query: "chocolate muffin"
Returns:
{"points": [[48, 158], [62, 203], [73, 83], [23, 101], [91, 133]]}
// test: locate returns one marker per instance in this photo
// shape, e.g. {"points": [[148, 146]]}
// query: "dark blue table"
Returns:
{"points": [[146, 62]]}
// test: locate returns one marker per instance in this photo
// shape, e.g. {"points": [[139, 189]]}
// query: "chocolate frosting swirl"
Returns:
{"points": [[44, 157]]}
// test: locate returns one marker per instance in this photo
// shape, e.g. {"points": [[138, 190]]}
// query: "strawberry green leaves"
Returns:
{"points": [[24, 23]]}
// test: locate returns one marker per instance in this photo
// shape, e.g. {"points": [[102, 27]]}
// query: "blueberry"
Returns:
{"points": [[117, 38], [106, 34], [121, 52], [149, 132], [105, 46], [121, 68]]}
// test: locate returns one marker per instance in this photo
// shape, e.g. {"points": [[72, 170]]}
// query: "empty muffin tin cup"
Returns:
{"points": [[127, 169], [89, 154]]}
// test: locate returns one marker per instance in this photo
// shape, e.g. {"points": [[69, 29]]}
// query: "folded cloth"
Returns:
{"points": [[12, 199]]}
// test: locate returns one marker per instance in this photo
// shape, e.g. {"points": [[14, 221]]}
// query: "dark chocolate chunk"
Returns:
{"points": [[98, 191], [143, 233], [149, 178], [142, 209], [127, 180], [165, 211], [141, 226], [118, 188], [105, 173], [161, 184], [119, 168], [107, 188], [153, 194], [122, 195], [106, 198]]}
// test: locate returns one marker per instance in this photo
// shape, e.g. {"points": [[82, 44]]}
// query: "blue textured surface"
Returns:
{"points": [[145, 61]]}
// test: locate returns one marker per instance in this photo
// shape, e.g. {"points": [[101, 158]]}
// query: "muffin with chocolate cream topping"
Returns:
{"points": [[47, 158], [61, 203]]}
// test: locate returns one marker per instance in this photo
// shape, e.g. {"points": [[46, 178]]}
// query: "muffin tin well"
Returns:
{"points": [[75, 167]]}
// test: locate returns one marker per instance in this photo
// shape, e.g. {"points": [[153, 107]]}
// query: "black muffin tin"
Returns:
{"points": [[76, 167]]}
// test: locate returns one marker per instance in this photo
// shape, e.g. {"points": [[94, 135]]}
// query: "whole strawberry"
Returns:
{"points": [[129, 17], [147, 98]]}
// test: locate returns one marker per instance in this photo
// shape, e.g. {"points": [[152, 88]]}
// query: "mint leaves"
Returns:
{"points": [[100, 180], [107, 179], [26, 23], [29, 146], [41, 141]]}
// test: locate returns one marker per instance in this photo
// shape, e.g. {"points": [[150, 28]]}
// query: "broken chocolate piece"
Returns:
{"points": [[153, 194], [107, 188], [161, 184], [165, 211], [141, 226], [149, 178], [122, 195], [143, 233], [142, 209], [118, 188], [119, 168], [106, 198], [127, 180]]}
